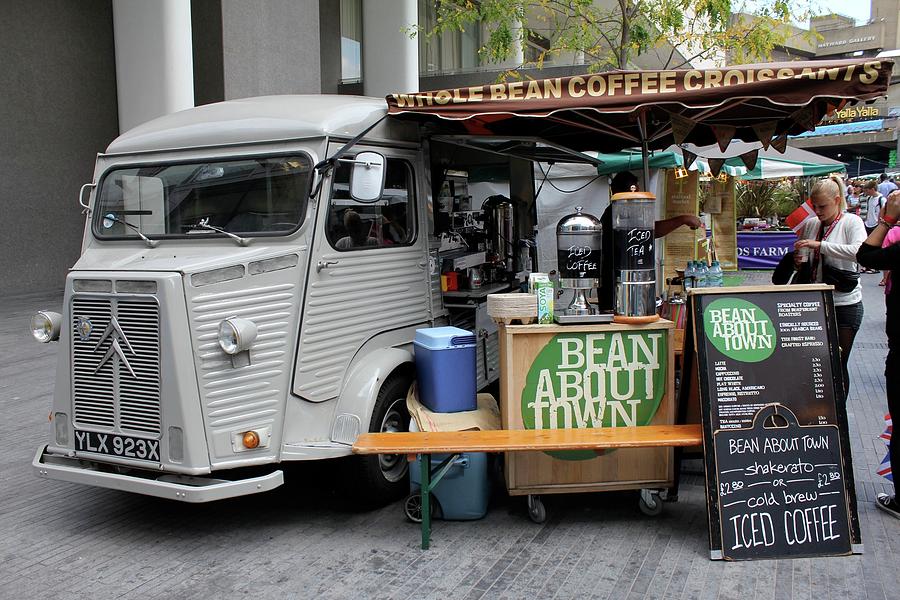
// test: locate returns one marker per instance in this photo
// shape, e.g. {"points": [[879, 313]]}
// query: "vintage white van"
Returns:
{"points": [[235, 306]]}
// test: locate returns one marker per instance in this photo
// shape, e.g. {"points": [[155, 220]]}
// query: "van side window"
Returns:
{"points": [[389, 221]]}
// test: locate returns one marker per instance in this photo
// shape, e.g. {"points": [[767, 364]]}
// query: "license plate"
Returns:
{"points": [[116, 445]]}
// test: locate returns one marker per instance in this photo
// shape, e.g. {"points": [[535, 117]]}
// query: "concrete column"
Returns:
{"points": [[390, 58], [154, 64]]}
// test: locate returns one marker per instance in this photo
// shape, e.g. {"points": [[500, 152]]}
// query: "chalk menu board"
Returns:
{"points": [[778, 467]]}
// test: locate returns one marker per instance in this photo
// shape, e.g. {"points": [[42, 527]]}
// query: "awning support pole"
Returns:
{"points": [[645, 150]]}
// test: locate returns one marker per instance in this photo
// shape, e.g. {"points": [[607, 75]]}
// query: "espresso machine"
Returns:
{"points": [[579, 249]]}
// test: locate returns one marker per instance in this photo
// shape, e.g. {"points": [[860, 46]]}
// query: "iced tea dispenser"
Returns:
{"points": [[634, 256]]}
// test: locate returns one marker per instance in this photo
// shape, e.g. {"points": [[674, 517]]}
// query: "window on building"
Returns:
{"points": [[390, 221], [535, 46], [449, 52], [351, 40]]}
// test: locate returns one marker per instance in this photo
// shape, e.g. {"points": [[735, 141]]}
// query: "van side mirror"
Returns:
{"points": [[367, 176]]}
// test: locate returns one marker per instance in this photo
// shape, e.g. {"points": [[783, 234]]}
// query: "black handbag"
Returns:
{"points": [[844, 281]]}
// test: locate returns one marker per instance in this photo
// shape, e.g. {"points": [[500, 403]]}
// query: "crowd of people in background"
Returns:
{"points": [[866, 199], [857, 230]]}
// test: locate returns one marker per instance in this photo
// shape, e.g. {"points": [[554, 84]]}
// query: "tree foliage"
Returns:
{"points": [[611, 33]]}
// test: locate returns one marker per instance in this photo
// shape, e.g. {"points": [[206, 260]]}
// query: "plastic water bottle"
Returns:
{"points": [[716, 276], [689, 275], [702, 274]]}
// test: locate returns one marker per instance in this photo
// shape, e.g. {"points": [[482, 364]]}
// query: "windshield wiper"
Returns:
{"points": [[204, 224], [137, 230]]}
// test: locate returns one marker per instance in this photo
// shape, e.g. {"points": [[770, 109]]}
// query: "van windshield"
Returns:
{"points": [[260, 196]]}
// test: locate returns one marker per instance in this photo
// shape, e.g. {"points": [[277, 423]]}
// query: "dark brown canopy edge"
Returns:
{"points": [[604, 111]]}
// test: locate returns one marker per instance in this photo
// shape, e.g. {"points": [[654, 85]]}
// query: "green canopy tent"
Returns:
{"points": [[770, 164]]}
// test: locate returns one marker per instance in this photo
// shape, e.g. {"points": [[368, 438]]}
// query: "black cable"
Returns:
{"points": [[547, 180]]}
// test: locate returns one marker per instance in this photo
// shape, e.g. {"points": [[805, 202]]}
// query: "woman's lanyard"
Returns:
{"points": [[820, 237]]}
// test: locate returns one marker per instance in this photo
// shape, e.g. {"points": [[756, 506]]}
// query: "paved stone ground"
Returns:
{"points": [[305, 540]]}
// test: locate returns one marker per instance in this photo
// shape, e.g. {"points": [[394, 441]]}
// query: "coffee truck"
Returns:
{"points": [[253, 272], [252, 276]]}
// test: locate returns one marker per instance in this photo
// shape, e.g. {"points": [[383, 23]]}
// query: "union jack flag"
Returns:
{"points": [[884, 469]]}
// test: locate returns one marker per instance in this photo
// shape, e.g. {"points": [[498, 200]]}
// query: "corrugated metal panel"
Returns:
{"points": [[116, 369], [235, 396], [361, 294]]}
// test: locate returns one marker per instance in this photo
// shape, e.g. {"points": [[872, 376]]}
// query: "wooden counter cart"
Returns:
{"points": [[581, 376]]}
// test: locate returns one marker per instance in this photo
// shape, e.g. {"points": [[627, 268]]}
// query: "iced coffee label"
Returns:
{"points": [[781, 488], [578, 262], [634, 249]]}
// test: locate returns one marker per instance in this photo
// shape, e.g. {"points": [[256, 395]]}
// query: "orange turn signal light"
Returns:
{"points": [[251, 440]]}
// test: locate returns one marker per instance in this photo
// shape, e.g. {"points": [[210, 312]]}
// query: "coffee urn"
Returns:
{"points": [[634, 256], [500, 225], [578, 251]]}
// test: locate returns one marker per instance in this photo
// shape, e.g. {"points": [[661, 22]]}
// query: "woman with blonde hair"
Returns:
{"points": [[829, 244]]}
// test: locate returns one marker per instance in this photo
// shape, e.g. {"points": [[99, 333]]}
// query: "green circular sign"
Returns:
{"points": [[739, 329], [609, 379]]}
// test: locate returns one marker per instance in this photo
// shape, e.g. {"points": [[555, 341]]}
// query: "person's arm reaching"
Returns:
{"points": [[871, 255], [667, 226]]}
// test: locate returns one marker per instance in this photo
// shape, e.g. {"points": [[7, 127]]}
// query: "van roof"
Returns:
{"points": [[260, 119]]}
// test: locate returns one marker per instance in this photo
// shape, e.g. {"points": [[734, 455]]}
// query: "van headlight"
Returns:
{"points": [[45, 326], [236, 335]]}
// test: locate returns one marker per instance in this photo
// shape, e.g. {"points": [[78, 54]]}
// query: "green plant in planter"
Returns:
{"points": [[756, 199]]}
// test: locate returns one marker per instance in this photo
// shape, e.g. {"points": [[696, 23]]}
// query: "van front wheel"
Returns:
{"points": [[384, 476]]}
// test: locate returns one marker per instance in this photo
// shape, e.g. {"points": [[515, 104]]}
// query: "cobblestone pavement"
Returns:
{"points": [[306, 540]]}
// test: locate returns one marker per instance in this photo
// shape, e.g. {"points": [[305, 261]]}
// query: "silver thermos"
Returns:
{"points": [[579, 238]]}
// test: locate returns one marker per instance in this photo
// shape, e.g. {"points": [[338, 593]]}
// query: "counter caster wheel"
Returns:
{"points": [[412, 506], [536, 510], [650, 503]]}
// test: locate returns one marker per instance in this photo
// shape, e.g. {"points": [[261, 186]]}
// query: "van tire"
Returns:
{"points": [[383, 478]]}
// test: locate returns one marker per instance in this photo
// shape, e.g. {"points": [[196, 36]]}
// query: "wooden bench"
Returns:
{"points": [[454, 443]]}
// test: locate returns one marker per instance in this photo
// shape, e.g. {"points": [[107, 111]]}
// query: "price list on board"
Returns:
{"points": [[766, 349]]}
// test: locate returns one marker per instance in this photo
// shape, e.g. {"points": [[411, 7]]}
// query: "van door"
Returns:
{"points": [[368, 274]]}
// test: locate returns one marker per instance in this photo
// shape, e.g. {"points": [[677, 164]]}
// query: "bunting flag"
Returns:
{"points": [[807, 117], [724, 135], [681, 127], [796, 219], [889, 428], [689, 157], [715, 165], [749, 159], [884, 469], [765, 131], [780, 143]]}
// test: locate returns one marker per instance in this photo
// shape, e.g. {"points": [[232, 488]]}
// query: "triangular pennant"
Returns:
{"points": [[689, 157], [765, 131], [681, 128], [807, 117], [715, 165], [780, 143], [724, 134], [749, 159]]}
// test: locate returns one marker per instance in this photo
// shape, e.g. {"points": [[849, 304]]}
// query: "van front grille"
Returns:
{"points": [[115, 363]]}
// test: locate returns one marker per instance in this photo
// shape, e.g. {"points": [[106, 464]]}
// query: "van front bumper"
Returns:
{"points": [[184, 488]]}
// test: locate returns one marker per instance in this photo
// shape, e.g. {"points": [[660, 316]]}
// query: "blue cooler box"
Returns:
{"points": [[463, 492], [445, 368]]}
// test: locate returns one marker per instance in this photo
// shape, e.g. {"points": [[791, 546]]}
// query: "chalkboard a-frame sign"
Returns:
{"points": [[779, 474]]}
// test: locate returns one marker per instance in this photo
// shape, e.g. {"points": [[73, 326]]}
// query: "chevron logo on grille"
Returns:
{"points": [[114, 331]]}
